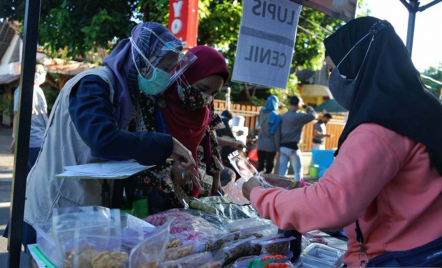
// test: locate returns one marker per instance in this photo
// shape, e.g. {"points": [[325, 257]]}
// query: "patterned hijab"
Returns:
{"points": [[121, 62]]}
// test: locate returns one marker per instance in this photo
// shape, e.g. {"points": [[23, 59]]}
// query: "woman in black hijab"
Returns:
{"points": [[386, 180]]}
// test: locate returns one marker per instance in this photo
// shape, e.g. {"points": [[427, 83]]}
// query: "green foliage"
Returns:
{"points": [[75, 27], [218, 26], [313, 28], [436, 74]]}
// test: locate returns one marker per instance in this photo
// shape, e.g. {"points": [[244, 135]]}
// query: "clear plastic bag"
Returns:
{"points": [[246, 223], [134, 231], [191, 261], [325, 253], [178, 252], [185, 227], [149, 253], [279, 246], [234, 250], [97, 241], [226, 211], [68, 222], [258, 231], [233, 191], [256, 244]]}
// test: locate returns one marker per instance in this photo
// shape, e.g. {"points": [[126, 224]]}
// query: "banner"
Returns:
{"points": [[183, 21], [266, 42], [340, 9]]}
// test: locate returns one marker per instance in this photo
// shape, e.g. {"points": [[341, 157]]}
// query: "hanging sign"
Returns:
{"points": [[183, 21], [266, 42]]}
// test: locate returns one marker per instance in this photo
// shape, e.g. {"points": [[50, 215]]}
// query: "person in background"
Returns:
{"points": [[386, 179], [39, 118], [293, 123], [269, 122], [320, 132], [97, 116]]}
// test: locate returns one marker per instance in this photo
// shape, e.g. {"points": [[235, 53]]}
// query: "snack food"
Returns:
{"points": [[276, 247], [174, 244], [177, 253], [109, 260]]}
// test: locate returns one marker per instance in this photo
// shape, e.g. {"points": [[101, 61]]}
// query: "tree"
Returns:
{"points": [[77, 26], [435, 74]]}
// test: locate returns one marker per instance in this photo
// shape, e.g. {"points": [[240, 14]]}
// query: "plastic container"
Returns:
{"points": [[191, 261], [310, 262], [325, 253], [277, 247], [46, 242], [314, 171]]}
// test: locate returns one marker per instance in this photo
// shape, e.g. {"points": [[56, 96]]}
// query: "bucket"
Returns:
{"points": [[314, 171]]}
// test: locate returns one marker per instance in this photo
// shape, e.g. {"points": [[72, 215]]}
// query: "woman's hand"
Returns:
{"points": [[248, 186], [216, 184], [238, 145], [182, 156], [185, 177]]}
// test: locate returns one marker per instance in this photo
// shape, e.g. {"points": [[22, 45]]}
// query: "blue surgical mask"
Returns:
{"points": [[156, 84]]}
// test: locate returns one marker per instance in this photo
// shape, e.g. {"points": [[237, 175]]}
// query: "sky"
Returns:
{"points": [[427, 45]]}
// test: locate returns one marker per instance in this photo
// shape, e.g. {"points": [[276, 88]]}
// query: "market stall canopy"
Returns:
{"points": [[8, 78], [331, 107], [341, 9]]}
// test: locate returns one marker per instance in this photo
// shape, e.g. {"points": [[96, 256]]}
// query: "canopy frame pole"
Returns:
{"points": [[18, 191], [413, 7]]}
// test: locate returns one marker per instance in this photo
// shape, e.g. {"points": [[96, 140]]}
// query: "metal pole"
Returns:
{"points": [[414, 8], [32, 16]]}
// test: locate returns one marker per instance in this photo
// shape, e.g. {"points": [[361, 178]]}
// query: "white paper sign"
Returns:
{"points": [[266, 42]]}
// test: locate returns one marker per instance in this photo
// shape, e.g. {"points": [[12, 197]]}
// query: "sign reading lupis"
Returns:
{"points": [[266, 42]]}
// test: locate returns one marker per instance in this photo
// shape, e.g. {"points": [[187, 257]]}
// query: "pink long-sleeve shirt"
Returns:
{"points": [[379, 177]]}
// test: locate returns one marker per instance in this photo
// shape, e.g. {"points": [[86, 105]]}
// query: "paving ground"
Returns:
{"points": [[6, 166]]}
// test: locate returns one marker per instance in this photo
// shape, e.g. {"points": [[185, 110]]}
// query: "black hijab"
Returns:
{"points": [[389, 91]]}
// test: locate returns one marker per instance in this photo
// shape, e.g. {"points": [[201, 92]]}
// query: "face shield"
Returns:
{"points": [[165, 63]]}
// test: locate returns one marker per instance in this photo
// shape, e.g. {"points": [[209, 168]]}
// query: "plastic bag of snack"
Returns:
{"points": [[185, 228], [234, 250], [149, 253], [97, 243], [191, 261], [258, 231], [172, 254], [245, 223], [279, 246], [67, 222], [256, 244]]}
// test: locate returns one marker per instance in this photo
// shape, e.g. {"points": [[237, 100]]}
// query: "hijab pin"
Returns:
{"points": [[377, 27]]}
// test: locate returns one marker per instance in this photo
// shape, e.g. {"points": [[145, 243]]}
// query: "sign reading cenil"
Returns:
{"points": [[266, 41]]}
